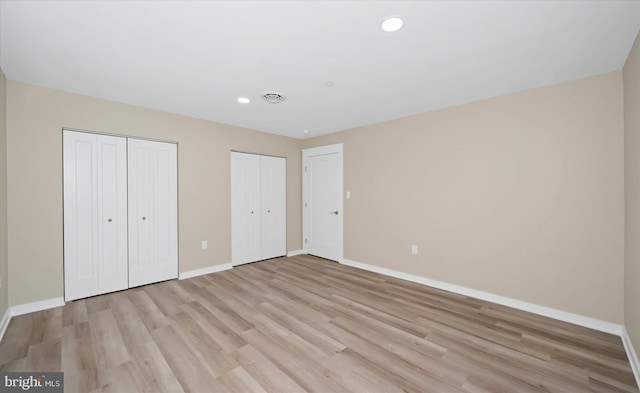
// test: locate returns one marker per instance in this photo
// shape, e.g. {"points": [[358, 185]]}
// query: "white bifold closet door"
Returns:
{"points": [[95, 214], [120, 213], [153, 212], [258, 207]]}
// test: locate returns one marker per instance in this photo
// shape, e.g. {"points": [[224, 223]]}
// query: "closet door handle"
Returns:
{"points": [[268, 211], [144, 218], [109, 220], [335, 212]]}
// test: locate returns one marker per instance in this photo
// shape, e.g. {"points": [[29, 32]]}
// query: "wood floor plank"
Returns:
{"points": [[202, 345], [108, 342], [270, 377], [78, 359], [190, 372], [306, 332], [239, 380], [292, 360], [74, 313], [307, 324], [150, 314], [45, 356], [533, 371], [225, 337], [122, 378], [16, 341], [216, 306], [155, 370]]}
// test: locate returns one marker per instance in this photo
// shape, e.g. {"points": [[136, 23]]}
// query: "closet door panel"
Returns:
{"points": [[80, 232], [273, 204], [95, 225], [84, 213], [112, 214], [153, 212], [140, 204], [164, 211], [107, 208], [245, 208]]}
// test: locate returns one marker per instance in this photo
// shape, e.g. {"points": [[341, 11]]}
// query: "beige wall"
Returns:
{"points": [[4, 262], [36, 118], [520, 195], [631, 78]]}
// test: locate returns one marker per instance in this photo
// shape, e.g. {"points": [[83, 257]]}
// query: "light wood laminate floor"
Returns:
{"points": [[306, 324]]}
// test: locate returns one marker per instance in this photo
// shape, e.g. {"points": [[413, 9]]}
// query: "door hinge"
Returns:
{"points": [[305, 168], [305, 204], [305, 241]]}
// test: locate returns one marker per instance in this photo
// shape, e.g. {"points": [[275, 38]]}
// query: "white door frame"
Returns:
{"points": [[306, 219]]}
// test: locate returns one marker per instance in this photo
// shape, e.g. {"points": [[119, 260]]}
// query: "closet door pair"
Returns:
{"points": [[120, 213], [258, 207]]}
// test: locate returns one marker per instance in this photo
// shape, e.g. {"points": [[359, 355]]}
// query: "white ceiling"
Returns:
{"points": [[197, 57]]}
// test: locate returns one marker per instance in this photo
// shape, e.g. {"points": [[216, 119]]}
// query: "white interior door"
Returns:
{"points": [[245, 208], [322, 215], [273, 232], [95, 214], [153, 211]]}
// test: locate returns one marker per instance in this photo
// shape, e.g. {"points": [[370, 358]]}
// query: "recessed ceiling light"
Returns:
{"points": [[243, 100], [306, 132], [392, 23]]}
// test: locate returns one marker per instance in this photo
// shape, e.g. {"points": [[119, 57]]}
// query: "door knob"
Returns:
{"points": [[268, 211], [144, 218], [251, 211], [335, 212], [109, 220]]}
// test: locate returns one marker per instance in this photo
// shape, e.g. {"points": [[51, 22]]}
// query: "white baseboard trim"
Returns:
{"points": [[204, 270], [596, 324], [27, 308], [631, 354], [294, 253], [4, 323]]}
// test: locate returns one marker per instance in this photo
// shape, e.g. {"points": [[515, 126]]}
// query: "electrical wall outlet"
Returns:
{"points": [[204, 245], [414, 250]]}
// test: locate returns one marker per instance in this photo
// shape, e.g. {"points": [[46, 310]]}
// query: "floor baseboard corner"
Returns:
{"points": [[46, 304], [204, 270], [631, 354], [4, 323], [294, 253]]}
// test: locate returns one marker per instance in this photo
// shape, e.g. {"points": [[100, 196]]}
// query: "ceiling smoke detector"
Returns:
{"points": [[273, 97]]}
